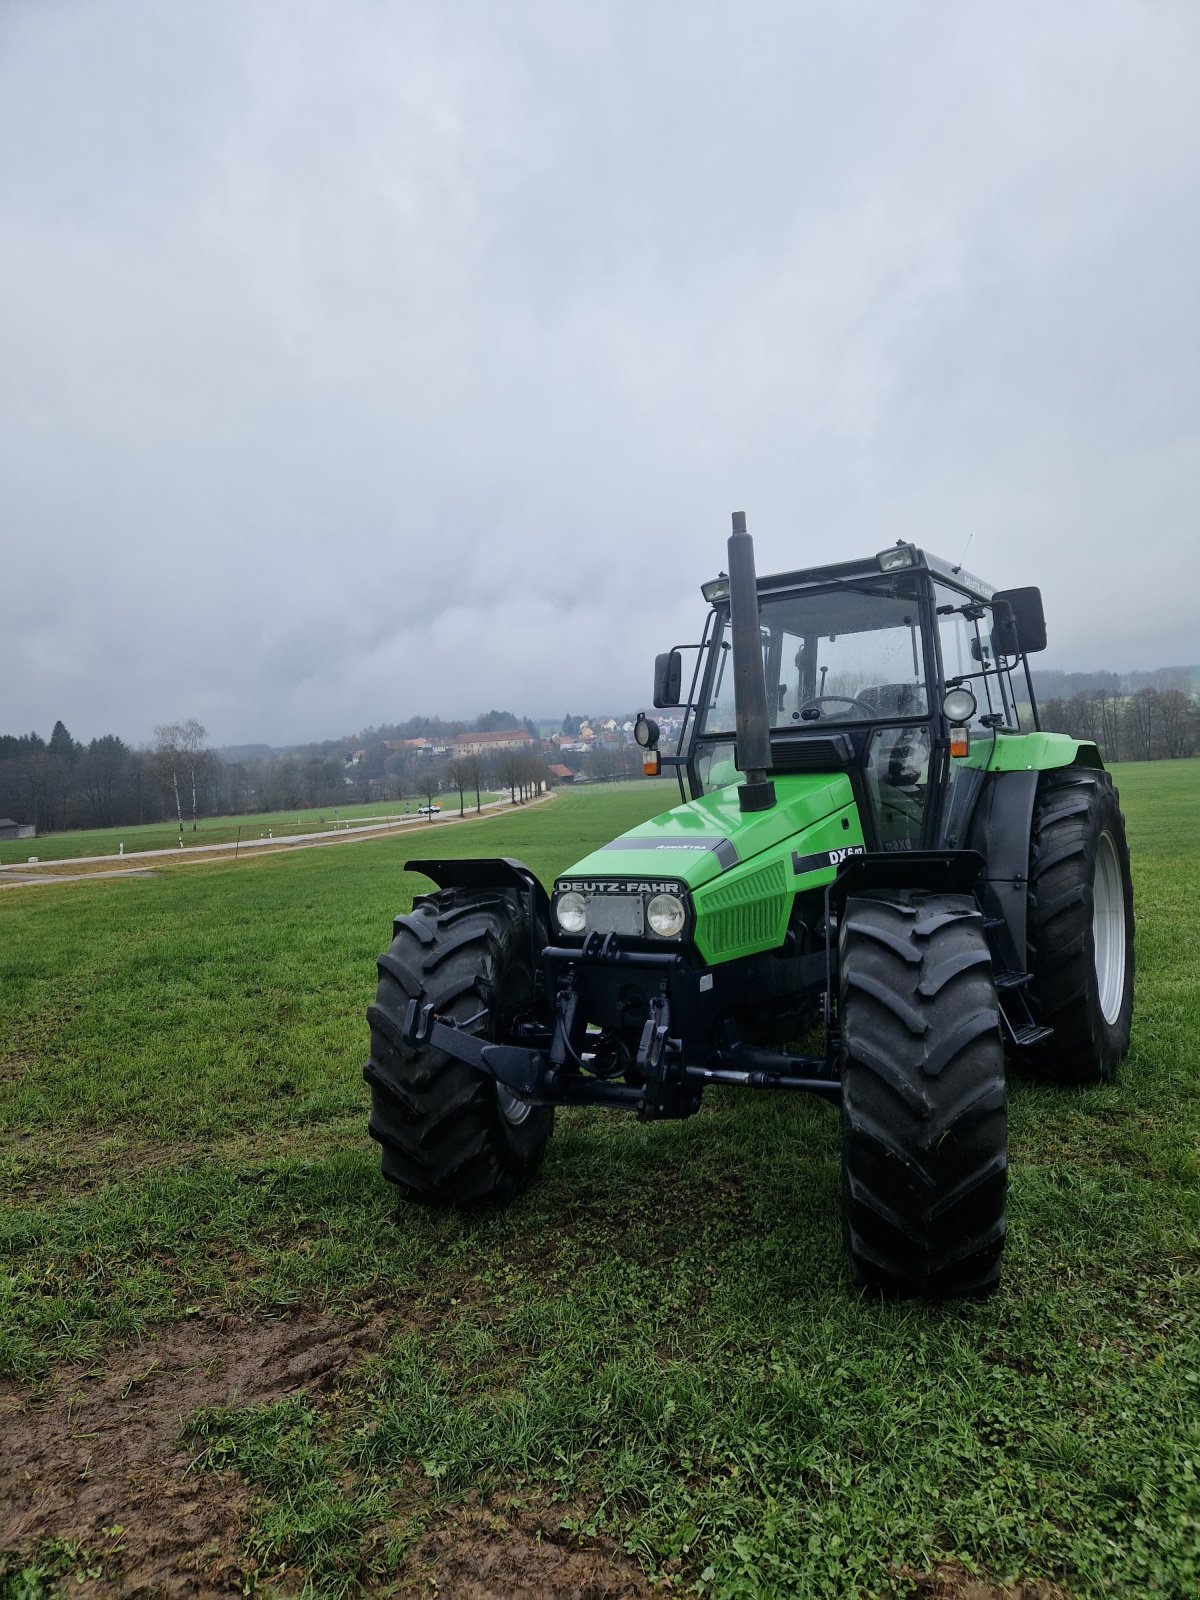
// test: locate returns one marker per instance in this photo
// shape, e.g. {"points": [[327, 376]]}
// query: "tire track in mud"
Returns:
{"points": [[103, 1450]]}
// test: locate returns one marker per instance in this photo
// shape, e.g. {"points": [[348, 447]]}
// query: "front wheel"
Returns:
{"points": [[1080, 929], [450, 1134], [924, 1125]]}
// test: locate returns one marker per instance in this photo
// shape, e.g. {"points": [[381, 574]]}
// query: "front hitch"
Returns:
{"points": [[518, 1068], [524, 1070]]}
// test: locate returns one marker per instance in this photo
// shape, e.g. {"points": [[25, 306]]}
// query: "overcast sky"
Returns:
{"points": [[360, 359]]}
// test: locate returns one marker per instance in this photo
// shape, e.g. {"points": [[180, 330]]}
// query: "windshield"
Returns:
{"points": [[838, 655]]}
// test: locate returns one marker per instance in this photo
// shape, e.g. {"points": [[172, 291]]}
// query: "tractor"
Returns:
{"points": [[878, 854]]}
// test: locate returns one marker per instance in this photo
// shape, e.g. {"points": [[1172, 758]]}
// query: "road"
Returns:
{"points": [[138, 864]]}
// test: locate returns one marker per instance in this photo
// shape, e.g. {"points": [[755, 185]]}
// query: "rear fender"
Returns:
{"points": [[1000, 825], [1039, 751], [999, 831]]}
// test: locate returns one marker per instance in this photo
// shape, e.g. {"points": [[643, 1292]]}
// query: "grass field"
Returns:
{"points": [[651, 1369], [216, 830]]}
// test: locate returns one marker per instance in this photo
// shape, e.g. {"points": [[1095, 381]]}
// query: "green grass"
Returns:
{"points": [[660, 1335], [79, 842]]}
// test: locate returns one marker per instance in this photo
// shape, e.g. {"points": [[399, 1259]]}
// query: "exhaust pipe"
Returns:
{"points": [[749, 683]]}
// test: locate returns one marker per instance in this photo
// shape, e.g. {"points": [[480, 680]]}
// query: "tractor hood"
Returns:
{"points": [[698, 841]]}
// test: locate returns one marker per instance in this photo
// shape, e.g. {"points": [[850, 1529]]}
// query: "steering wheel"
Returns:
{"points": [[819, 700]]}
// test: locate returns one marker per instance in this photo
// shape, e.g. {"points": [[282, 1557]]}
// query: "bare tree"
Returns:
{"points": [[168, 763], [631, 759], [507, 771], [1054, 715], [401, 768], [1141, 719], [534, 769], [459, 778], [181, 757], [1180, 723], [1110, 708], [603, 764], [473, 767], [196, 756], [430, 782], [1082, 720]]}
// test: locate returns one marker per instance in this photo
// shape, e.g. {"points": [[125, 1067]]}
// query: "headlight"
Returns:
{"points": [[959, 705], [571, 912], [665, 915]]}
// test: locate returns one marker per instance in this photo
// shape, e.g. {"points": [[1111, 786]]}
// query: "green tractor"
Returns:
{"points": [[876, 847]]}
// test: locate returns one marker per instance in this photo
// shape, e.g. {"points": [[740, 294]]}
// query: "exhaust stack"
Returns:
{"points": [[749, 684]]}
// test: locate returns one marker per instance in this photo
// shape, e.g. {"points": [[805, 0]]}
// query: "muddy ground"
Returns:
{"points": [[99, 1461]]}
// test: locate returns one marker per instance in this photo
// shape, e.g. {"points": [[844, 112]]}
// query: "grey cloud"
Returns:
{"points": [[359, 360]]}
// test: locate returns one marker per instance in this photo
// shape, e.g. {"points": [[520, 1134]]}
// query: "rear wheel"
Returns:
{"points": [[1080, 929], [924, 1142], [449, 1133]]}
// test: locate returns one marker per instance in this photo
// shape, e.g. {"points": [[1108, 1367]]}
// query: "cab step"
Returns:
{"points": [[1011, 980], [1029, 1034], [1016, 1019]]}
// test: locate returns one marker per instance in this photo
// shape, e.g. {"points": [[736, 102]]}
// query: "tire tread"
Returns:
{"points": [[924, 1149], [1073, 808], [444, 1139]]}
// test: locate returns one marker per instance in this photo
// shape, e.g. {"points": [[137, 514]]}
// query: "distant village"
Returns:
{"points": [[597, 748], [518, 755]]}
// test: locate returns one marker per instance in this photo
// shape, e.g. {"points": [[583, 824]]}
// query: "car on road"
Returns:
{"points": [[428, 811]]}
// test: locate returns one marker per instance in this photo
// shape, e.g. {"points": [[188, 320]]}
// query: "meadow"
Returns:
{"points": [[651, 1371], [77, 842]]}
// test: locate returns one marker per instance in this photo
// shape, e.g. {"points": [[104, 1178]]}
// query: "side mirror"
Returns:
{"points": [[668, 678], [1028, 616], [1004, 629]]}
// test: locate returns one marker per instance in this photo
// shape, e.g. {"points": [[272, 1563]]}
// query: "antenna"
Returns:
{"points": [[956, 570]]}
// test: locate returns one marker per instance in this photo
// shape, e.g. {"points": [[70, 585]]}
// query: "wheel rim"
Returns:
{"points": [[1108, 929], [512, 1109]]}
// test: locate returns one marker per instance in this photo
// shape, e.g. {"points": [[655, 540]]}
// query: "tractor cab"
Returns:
{"points": [[899, 670]]}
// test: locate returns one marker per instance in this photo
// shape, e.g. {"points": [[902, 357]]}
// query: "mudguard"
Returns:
{"points": [[493, 872]]}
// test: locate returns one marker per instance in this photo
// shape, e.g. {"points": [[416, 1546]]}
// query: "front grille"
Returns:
{"points": [[751, 910]]}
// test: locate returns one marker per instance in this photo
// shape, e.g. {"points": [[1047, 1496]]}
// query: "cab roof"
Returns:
{"points": [[868, 567]]}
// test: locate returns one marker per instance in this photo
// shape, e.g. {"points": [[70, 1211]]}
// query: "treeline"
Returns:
{"points": [[62, 783], [1054, 685], [1148, 725], [438, 730]]}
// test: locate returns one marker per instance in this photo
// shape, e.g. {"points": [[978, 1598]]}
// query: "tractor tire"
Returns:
{"points": [[924, 1123], [450, 1134], [1079, 929]]}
